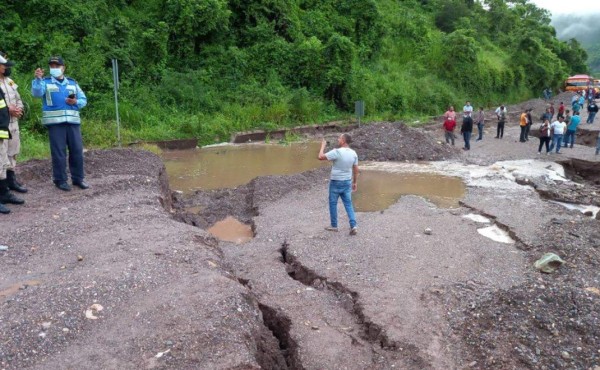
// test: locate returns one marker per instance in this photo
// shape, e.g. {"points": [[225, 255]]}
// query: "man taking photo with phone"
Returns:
{"points": [[62, 98]]}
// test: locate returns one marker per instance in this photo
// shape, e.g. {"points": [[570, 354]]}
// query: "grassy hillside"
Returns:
{"points": [[206, 68]]}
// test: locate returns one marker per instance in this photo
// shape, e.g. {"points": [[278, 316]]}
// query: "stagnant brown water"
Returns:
{"points": [[232, 230], [231, 166], [377, 190]]}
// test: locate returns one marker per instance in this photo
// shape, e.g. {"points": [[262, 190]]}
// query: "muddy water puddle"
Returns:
{"points": [[377, 190], [233, 165], [232, 230]]}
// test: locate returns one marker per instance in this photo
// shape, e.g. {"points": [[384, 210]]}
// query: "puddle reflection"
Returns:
{"points": [[233, 165], [377, 190]]}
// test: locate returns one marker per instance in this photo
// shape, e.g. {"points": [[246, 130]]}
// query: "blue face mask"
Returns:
{"points": [[56, 72]]}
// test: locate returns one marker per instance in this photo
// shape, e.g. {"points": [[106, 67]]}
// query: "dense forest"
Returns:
{"points": [[206, 68], [584, 28]]}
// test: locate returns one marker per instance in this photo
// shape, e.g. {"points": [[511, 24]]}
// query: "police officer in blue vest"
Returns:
{"points": [[62, 98]]}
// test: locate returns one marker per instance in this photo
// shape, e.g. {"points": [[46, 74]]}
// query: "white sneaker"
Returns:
{"points": [[354, 231], [331, 228]]}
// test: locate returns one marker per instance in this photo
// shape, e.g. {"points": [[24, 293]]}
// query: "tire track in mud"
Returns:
{"points": [[383, 348]]}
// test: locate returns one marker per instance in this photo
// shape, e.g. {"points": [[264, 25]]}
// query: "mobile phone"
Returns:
{"points": [[71, 96]]}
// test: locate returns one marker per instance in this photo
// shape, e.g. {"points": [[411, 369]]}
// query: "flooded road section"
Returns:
{"points": [[233, 165], [377, 190]]}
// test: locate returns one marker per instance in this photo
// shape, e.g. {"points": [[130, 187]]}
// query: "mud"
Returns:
{"points": [[231, 230], [385, 141], [168, 299], [297, 296]]}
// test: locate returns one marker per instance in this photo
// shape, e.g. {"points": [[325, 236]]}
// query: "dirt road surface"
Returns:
{"points": [[121, 276]]}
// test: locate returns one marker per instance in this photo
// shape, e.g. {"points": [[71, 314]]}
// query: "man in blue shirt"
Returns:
{"points": [[62, 98], [342, 183], [571, 129]]}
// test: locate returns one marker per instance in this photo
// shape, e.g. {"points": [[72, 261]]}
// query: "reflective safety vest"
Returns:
{"points": [[4, 117], [54, 93]]}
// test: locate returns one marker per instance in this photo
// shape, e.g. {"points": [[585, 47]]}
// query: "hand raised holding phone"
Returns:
{"points": [[39, 73], [71, 99]]}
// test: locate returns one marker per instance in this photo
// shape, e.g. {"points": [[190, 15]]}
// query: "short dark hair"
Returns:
{"points": [[347, 138]]}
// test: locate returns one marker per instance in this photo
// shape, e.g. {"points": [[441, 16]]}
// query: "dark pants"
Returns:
{"points": [[480, 130], [523, 130], [569, 138], [467, 138], [500, 130], [63, 136], [449, 137], [527, 128], [544, 140]]}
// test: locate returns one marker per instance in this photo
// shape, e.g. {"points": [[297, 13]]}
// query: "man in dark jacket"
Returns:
{"points": [[466, 129], [592, 110]]}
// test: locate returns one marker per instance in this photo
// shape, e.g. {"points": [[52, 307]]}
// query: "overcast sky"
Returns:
{"points": [[581, 21], [558, 7]]}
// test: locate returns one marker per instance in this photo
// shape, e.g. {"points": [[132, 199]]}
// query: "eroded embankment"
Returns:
{"points": [[240, 202], [492, 325], [118, 282]]}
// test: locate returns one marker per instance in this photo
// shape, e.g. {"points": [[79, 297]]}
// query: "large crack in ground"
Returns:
{"points": [[520, 243], [275, 349], [382, 346], [243, 202], [279, 325]]}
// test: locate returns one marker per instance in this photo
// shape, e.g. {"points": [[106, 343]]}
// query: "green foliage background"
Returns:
{"points": [[207, 68]]}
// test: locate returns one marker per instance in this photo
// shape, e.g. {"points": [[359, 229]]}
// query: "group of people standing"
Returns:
{"points": [[62, 98], [466, 128], [470, 118], [554, 133]]}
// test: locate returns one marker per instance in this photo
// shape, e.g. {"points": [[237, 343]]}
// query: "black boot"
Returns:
{"points": [[6, 196], [13, 184], [3, 209]]}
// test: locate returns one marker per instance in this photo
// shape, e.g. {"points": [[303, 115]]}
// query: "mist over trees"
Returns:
{"points": [[585, 28]]}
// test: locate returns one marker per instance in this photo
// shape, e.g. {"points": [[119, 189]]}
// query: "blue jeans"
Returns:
{"points": [[480, 129], [467, 137], [556, 141], [342, 189], [591, 116], [569, 138]]}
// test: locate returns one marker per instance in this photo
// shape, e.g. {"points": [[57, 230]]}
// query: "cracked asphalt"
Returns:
{"points": [[297, 296]]}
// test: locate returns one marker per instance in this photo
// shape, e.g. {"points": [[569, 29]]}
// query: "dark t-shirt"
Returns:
{"points": [[467, 125], [4, 114]]}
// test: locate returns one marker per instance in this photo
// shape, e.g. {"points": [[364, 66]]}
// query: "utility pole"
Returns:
{"points": [[115, 69]]}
